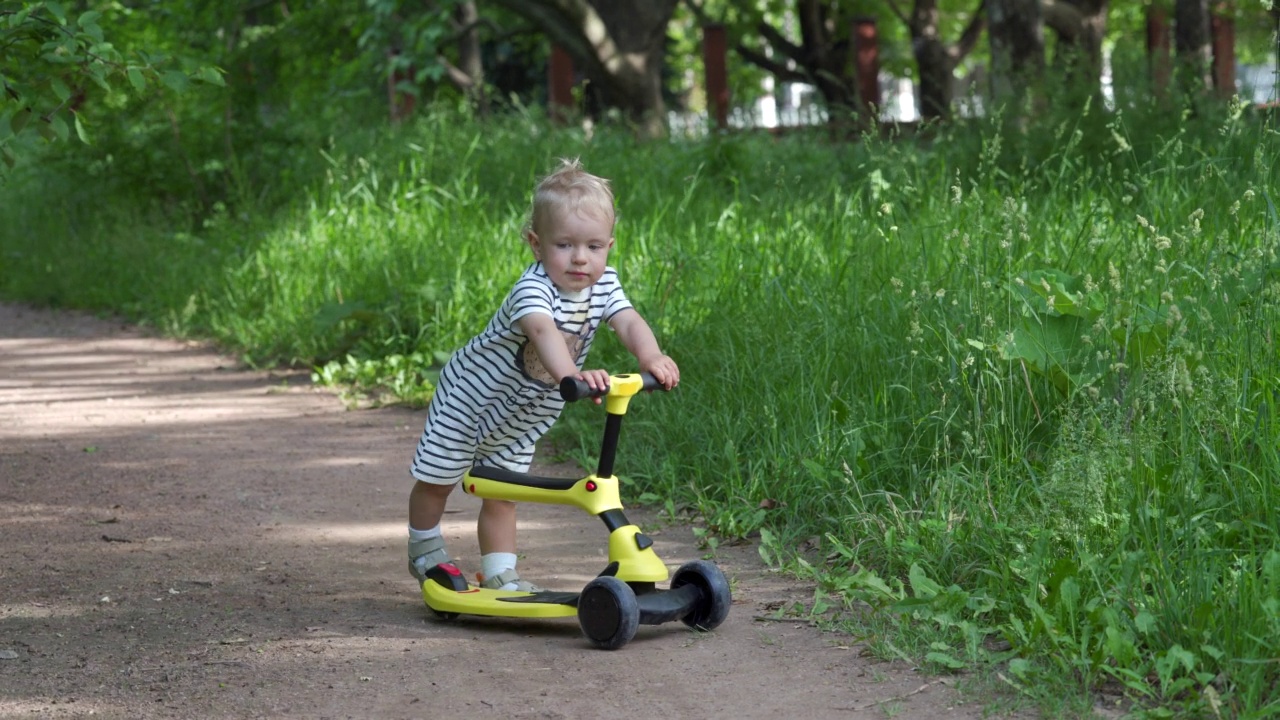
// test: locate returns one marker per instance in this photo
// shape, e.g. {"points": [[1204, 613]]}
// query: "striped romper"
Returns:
{"points": [[494, 399]]}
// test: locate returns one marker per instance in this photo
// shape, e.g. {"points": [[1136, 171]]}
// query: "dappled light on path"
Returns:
{"points": [[187, 539]]}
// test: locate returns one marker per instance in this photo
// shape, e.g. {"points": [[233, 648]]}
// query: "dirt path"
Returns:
{"points": [[182, 539]]}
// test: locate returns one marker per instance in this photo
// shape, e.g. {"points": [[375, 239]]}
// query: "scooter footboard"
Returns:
{"points": [[663, 606]]}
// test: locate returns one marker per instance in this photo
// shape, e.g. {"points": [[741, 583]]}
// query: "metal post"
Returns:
{"points": [[401, 103], [559, 85], [866, 49], [1222, 29], [715, 46]]}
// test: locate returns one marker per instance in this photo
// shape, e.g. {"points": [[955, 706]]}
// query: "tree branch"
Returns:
{"points": [[780, 71], [1063, 18], [700, 13], [969, 38], [562, 21], [897, 10], [460, 79], [460, 31], [779, 42]]}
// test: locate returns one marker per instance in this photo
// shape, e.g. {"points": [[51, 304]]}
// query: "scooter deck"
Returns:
{"points": [[445, 591]]}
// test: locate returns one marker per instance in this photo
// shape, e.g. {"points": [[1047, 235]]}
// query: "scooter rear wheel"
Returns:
{"points": [[608, 612], [713, 608]]}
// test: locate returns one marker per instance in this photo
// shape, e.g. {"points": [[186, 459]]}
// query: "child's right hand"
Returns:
{"points": [[597, 380]]}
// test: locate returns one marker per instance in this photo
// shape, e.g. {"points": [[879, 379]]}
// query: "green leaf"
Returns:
{"points": [[136, 78], [59, 127], [921, 585], [1066, 292], [20, 120], [88, 23], [175, 81], [81, 132], [55, 9], [945, 660], [1145, 622], [816, 471], [60, 89], [97, 73], [1019, 668], [211, 76]]}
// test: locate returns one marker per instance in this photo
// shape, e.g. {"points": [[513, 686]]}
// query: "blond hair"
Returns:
{"points": [[570, 188]]}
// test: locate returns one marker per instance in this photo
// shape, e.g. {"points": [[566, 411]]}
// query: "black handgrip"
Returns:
{"points": [[572, 389]]}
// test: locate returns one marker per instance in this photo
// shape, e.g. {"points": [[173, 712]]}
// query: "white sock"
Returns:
{"points": [[416, 534], [491, 564]]}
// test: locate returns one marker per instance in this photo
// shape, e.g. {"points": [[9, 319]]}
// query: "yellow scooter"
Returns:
{"points": [[612, 606]]}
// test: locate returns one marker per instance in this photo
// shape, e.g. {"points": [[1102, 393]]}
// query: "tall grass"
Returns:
{"points": [[1019, 382]]}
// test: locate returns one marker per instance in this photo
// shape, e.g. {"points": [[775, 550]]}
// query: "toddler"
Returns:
{"points": [[500, 393]]}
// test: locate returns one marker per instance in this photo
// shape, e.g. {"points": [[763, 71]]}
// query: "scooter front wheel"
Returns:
{"points": [[713, 607], [608, 612]]}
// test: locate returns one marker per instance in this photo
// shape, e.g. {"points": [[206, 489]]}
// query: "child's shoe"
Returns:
{"points": [[426, 554], [507, 577]]}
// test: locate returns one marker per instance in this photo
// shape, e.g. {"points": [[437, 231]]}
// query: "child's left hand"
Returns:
{"points": [[663, 368]]}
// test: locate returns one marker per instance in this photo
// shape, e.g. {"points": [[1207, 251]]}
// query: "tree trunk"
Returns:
{"points": [[1080, 26], [469, 56], [822, 58], [1192, 46], [619, 44], [1016, 32], [633, 69], [936, 59], [932, 61]]}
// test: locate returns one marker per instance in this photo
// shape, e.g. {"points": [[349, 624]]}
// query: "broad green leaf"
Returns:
{"points": [[945, 660], [1049, 345], [136, 78], [1056, 293], [1120, 645], [921, 585], [871, 581], [1183, 657], [89, 18], [1145, 622], [175, 81]]}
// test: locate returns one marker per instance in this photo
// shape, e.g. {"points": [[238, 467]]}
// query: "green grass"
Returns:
{"points": [[1019, 383]]}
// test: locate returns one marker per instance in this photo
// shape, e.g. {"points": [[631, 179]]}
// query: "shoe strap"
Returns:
{"points": [[506, 576], [418, 548]]}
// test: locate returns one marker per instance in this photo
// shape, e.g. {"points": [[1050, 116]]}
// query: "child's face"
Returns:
{"points": [[574, 248]]}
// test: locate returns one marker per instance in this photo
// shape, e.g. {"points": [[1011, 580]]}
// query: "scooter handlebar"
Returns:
{"points": [[572, 389]]}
